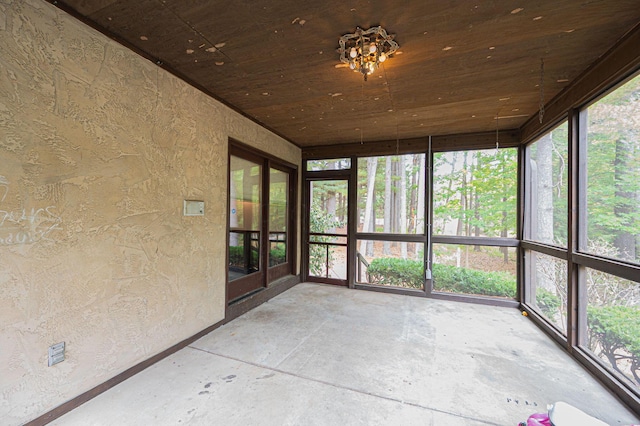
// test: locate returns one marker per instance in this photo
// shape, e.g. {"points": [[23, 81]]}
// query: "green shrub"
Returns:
{"points": [[410, 273], [236, 256], [547, 302], [469, 281], [396, 272], [615, 328], [277, 255]]}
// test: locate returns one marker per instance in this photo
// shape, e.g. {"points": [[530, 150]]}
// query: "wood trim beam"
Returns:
{"points": [[476, 241], [479, 300], [629, 272], [409, 238], [391, 290], [483, 140], [622, 60], [560, 253]]}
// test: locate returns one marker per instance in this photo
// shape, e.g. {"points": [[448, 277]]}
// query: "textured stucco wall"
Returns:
{"points": [[98, 150]]}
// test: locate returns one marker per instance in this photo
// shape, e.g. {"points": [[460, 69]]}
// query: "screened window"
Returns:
{"points": [[331, 164], [475, 193], [475, 270], [613, 323], [547, 188], [391, 193], [546, 278], [612, 181], [402, 266]]}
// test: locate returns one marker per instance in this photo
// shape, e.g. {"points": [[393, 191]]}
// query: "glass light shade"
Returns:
{"points": [[353, 53], [372, 48], [382, 57]]}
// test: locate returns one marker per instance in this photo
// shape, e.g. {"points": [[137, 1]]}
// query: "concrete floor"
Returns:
{"points": [[322, 355]]}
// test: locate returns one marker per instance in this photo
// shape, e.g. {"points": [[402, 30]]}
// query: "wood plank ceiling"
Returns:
{"points": [[460, 63]]}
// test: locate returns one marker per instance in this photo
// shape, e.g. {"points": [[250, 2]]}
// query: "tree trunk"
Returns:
{"points": [[413, 199], [387, 203], [402, 165], [544, 188], [366, 247], [624, 241], [331, 210], [462, 223], [543, 210], [420, 220]]}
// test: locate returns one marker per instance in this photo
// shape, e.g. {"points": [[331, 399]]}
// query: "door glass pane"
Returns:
{"points": [[391, 192], [475, 193], [244, 217], [613, 323], [390, 263], [328, 229], [278, 193], [328, 207], [475, 270], [613, 175], [547, 188], [327, 261]]}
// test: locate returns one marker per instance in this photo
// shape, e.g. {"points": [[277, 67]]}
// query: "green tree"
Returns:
{"points": [[613, 170]]}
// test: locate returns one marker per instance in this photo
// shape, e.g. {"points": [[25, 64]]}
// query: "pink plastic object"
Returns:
{"points": [[539, 419]]}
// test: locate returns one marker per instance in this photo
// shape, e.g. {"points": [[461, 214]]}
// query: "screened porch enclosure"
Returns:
{"points": [[550, 225]]}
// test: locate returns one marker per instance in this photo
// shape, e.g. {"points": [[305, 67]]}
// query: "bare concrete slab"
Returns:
{"points": [[323, 355]]}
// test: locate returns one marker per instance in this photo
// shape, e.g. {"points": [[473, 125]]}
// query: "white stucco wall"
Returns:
{"points": [[98, 150]]}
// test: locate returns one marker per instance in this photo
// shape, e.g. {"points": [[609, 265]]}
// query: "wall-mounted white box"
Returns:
{"points": [[193, 208], [56, 353]]}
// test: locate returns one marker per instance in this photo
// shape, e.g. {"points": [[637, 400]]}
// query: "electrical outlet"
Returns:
{"points": [[56, 353]]}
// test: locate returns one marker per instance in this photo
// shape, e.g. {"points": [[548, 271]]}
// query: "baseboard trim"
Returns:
{"points": [[233, 311], [244, 305]]}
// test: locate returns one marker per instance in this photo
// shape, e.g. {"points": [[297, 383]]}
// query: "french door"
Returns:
{"points": [[246, 271], [261, 222]]}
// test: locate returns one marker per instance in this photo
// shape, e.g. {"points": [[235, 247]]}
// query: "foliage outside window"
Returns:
{"points": [[475, 193], [613, 323], [610, 228], [391, 194], [475, 270], [547, 188], [547, 279], [613, 174], [395, 270], [332, 164]]}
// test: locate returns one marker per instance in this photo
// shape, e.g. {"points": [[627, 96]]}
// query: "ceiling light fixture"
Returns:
{"points": [[365, 50]]}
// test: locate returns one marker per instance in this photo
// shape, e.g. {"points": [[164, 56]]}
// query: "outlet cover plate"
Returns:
{"points": [[193, 208], [56, 353]]}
